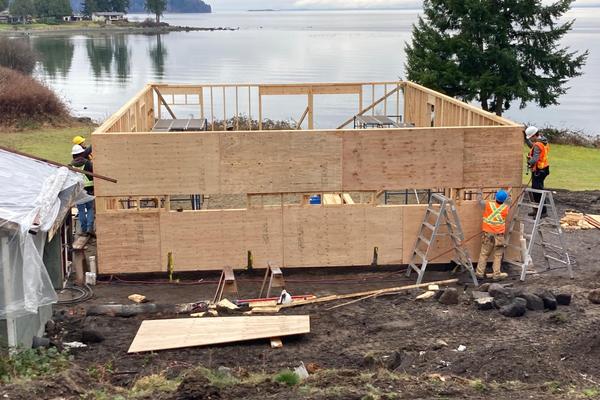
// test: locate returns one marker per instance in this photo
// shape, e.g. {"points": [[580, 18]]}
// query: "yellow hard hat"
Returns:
{"points": [[78, 139]]}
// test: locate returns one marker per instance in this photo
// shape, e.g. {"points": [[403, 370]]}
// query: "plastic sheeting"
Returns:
{"points": [[34, 196]]}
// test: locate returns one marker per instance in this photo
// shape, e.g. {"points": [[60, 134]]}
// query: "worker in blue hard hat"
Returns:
{"points": [[493, 226]]}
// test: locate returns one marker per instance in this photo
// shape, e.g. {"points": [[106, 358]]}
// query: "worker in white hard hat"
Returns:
{"points": [[85, 210], [537, 161]]}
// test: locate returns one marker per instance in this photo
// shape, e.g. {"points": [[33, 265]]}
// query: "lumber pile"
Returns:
{"points": [[575, 221]]}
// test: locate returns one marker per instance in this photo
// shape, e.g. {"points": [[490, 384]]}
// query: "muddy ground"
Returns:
{"points": [[386, 347]]}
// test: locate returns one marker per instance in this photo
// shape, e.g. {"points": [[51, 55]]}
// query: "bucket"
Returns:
{"points": [[315, 199]]}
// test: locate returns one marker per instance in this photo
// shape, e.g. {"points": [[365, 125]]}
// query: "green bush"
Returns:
{"points": [[31, 363], [288, 377]]}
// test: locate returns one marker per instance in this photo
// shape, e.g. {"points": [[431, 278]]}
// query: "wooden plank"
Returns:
{"points": [[300, 89], [300, 161], [128, 242], [501, 168], [347, 198], [411, 158], [166, 334], [297, 161]]}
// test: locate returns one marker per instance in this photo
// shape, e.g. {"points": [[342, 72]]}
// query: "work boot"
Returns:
{"points": [[533, 213], [499, 276]]}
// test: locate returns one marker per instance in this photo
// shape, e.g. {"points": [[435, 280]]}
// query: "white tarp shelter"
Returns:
{"points": [[35, 197]]}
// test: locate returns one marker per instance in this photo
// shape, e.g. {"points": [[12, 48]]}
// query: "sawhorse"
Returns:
{"points": [[227, 284], [275, 277]]}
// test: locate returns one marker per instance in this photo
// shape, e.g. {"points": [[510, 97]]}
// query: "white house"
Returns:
{"points": [[108, 17]]}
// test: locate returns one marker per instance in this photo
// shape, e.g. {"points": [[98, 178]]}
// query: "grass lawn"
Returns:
{"points": [[49, 143], [50, 27], [571, 167]]}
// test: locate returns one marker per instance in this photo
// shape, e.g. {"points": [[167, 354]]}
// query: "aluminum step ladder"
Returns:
{"points": [[544, 232], [441, 219]]}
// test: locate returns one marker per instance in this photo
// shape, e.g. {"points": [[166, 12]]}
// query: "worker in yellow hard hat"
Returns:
{"points": [[80, 141]]}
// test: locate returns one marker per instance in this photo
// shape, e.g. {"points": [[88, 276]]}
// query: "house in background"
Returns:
{"points": [[6, 18], [108, 17], [74, 18]]}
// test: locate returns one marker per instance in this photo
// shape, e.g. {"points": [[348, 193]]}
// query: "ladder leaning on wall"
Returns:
{"points": [[444, 211]]}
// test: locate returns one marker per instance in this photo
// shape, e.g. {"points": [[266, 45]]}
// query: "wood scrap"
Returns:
{"points": [[276, 343], [368, 293], [137, 298], [427, 295], [165, 334], [129, 310], [593, 220], [575, 221]]}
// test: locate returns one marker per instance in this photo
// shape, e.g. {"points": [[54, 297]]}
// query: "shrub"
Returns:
{"points": [[17, 54], [25, 101], [569, 136], [31, 363], [288, 377]]}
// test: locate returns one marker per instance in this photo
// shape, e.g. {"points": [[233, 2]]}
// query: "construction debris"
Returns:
{"points": [[574, 221], [137, 298], [427, 295]]}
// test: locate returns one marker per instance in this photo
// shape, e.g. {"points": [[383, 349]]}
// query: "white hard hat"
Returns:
{"points": [[529, 132], [77, 149]]}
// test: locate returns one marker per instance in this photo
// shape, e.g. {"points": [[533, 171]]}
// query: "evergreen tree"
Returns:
{"points": [[156, 7], [3, 5], [92, 6], [494, 51], [52, 8], [22, 8]]}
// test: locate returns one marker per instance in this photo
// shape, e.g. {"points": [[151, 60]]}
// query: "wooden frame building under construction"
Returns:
{"points": [[423, 141]]}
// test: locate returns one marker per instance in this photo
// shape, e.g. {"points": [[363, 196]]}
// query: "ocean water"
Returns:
{"points": [[96, 74]]}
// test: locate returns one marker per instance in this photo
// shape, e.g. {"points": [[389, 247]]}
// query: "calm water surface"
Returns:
{"points": [[96, 74]]}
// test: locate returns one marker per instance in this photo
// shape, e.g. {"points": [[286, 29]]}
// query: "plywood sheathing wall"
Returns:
{"points": [[147, 164], [289, 236]]}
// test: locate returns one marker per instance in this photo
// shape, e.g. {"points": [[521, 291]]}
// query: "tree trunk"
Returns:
{"points": [[158, 18], [484, 103], [499, 102]]}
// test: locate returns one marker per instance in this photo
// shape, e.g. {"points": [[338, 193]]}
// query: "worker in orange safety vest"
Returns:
{"points": [[493, 226], [537, 162]]}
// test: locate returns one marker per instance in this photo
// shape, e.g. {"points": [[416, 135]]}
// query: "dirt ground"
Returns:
{"points": [[380, 348]]}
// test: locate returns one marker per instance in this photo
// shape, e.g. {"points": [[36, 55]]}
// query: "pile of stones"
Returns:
{"points": [[512, 302]]}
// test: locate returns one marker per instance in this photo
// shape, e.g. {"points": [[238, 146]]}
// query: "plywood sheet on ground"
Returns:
{"points": [[423, 158], [129, 242], [190, 332]]}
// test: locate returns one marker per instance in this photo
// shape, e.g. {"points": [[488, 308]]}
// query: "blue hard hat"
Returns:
{"points": [[501, 196]]}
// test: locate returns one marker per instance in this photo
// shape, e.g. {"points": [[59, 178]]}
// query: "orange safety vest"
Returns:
{"points": [[543, 160], [494, 218]]}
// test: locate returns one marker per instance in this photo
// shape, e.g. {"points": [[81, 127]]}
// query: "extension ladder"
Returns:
{"points": [[531, 228], [443, 210]]}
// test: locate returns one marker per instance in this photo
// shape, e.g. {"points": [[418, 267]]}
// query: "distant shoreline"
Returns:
{"points": [[54, 30]]}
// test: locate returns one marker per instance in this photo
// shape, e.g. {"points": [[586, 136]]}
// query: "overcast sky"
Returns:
{"points": [[225, 5]]}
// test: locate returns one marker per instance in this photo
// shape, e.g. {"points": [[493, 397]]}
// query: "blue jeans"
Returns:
{"points": [[86, 216]]}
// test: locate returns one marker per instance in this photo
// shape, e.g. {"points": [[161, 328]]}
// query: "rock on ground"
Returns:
{"points": [[534, 302], [516, 308], [449, 297], [594, 296], [564, 299]]}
